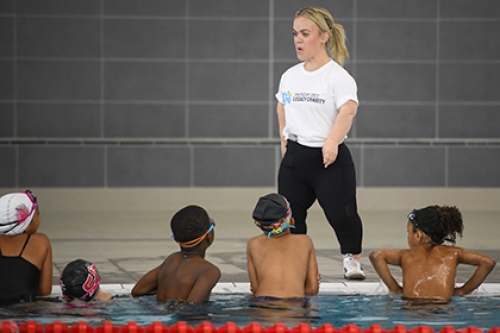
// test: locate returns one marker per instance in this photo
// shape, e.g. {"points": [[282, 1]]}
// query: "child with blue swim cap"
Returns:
{"points": [[297, 257]]}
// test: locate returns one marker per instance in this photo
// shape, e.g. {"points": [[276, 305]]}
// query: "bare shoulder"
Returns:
{"points": [[302, 239], [208, 269], [256, 240], [40, 239]]}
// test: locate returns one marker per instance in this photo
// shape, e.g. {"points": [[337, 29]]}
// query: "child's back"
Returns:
{"points": [[429, 268], [280, 264], [429, 272], [184, 275], [283, 265]]}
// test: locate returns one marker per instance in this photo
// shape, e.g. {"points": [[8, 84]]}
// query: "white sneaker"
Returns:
{"points": [[352, 268]]}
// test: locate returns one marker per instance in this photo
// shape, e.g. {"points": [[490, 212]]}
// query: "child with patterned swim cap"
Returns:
{"points": [[80, 281], [24, 253], [429, 268], [184, 275], [281, 265]]}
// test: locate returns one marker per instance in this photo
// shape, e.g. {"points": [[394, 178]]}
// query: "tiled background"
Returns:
{"points": [[112, 93]]}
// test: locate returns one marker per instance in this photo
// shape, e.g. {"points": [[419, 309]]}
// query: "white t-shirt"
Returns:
{"points": [[311, 101]]}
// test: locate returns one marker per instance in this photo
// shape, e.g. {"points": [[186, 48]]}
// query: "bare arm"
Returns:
{"points": [[380, 260], [484, 265], [252, 273], [45, 282], [148, 284], [342, 126], [204, 285], [312, 278], [280, 110]]}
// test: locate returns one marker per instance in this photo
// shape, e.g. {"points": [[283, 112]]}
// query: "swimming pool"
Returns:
{"points": [[387, 311]]}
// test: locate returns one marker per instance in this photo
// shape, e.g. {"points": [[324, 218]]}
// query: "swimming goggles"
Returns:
{"points": [[22, 214], [194, 242], [412, 217]]}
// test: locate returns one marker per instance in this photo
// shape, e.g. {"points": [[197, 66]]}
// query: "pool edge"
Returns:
{"points": [[330, 288]]}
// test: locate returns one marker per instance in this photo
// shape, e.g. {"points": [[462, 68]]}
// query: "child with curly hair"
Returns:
{"points": [[429, 268]]}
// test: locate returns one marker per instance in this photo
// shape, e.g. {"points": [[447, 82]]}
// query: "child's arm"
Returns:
{"points": [[252, 272], [312, 278], [45, 281], [484, 265], [380, 260], [204, 284], [148, 284]]}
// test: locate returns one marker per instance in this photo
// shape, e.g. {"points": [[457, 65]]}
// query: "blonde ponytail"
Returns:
{"points": [[335, 47]]}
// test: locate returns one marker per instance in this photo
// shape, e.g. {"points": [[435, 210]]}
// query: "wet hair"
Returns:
{"points": [[189, 223], [335, 47], [440, 223]]}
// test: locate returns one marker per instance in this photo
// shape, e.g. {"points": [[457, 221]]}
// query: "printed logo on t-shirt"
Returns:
{"points": [[308, 97], [287, 97]]}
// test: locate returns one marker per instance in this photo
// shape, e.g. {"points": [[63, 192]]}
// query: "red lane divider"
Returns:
{"points": [[326, 328], [131, 328], [302, 328], [81, 327], [107, 327], [231, 327], [9, 327], [158, 327], [31, 326], [56, 327], [254, 328]]}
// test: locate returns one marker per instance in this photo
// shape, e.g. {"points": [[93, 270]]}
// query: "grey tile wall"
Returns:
{"points": [[8, 166], [7, 37], [234, 166], [148, 166], [407, 166], [61, 166], [7, 120], [473, 166], [144, 121], [181, 93], [62, 120]]}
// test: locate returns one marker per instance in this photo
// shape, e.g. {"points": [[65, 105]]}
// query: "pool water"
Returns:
{"points": [[387, 311]]}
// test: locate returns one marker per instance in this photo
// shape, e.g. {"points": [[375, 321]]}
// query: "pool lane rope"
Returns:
{"points": [[31, 326]]}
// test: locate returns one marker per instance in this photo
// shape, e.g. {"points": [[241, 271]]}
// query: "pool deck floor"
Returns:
{"points": [[126, 233]]}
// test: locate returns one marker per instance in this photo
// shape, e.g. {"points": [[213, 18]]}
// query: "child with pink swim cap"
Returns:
{"points": [[24, 253], [80, 282]]}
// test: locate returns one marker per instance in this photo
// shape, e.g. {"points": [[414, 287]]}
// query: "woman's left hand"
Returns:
{"points": [[330, 151]]}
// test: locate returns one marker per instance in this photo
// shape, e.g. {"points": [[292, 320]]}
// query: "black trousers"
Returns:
{"points": [[303, 178]]}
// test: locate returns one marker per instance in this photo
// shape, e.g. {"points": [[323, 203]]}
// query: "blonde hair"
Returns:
{"points": [[335, 47]]}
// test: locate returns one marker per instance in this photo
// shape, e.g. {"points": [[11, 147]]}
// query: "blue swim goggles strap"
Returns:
{"points": [[280, 229]]}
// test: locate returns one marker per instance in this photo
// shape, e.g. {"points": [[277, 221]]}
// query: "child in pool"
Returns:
{"points": [[184, 275], [281, 265], [429, 268], [80, 281], [25, 254]]}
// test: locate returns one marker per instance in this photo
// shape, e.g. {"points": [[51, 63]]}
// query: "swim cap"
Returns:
{"points": [[272, 214], [16, 212], [270, 209], [79, 279]]}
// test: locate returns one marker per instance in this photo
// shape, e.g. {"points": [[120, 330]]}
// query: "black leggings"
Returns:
{"points": [[303, 178]]}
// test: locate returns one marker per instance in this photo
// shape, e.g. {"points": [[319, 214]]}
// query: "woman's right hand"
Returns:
{"points": [[283, 148]]}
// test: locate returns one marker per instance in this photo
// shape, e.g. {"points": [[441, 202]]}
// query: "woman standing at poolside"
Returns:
{"points": [[317, 102]]}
